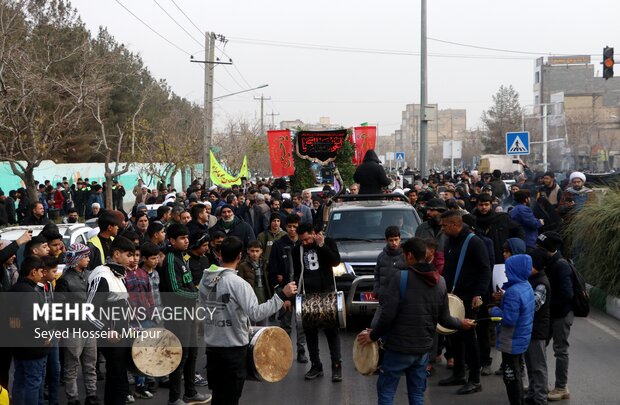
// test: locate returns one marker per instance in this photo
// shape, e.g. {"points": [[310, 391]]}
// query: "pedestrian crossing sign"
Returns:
{"points": [[517, 143]]}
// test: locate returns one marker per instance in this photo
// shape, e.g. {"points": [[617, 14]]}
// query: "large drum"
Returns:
{"points": [[270, 354], [457, 310], [321, 310], [366, 357], [156, 353]]}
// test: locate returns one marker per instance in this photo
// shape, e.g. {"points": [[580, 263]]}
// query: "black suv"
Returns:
{"points": [[358, 227]]}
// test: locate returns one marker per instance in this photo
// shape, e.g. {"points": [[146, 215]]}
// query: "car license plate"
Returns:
{"points": [[367, 296]]}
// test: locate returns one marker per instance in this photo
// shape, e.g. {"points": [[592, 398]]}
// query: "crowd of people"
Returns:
{"points": [[230, 248]]}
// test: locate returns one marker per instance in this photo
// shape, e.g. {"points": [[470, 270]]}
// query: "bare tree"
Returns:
{"points": [[43, 82]]}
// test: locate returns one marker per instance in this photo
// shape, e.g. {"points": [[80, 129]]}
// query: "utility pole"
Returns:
{"points": [[272, 115], [262, 116], [208, 107], [544, 128], [423, 95]]}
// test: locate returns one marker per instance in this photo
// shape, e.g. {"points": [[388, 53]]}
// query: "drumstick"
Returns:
{"points": [[491, 318]]}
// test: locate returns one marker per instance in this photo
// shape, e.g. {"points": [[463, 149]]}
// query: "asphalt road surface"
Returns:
{"points": [[593, 375]]}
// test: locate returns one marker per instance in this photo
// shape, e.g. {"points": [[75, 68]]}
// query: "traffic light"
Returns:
{"points": [[608, 62]]}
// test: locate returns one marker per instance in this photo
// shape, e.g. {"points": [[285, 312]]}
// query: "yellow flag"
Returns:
{"points": [[221, 177]]}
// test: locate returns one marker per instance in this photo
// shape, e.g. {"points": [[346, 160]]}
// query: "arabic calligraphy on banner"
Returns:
{"points": [[281, 153], [222, 178], [319, 146], [364, 138]]}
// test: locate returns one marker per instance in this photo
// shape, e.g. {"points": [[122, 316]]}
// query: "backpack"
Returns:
{"points": [[581, 299]]}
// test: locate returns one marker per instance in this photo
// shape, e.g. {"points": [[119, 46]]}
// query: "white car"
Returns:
{"points": [[71, 233]]}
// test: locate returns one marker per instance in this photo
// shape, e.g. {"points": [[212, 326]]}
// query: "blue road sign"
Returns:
{"points": [[400, 156], [517, 143]]}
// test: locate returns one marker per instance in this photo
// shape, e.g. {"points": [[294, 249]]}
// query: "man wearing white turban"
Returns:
{"points": [[576, 195]]}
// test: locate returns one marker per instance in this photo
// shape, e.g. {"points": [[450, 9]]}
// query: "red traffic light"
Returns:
{"points": [[608, 62]]}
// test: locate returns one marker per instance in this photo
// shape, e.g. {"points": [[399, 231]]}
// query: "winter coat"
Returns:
{"points": [[409, 324], [561, 281], [542, 316], [389, 262], [475, 276], [21, 308], [523, 215], [430, 229], [238, 228], [371, 175], [278, 262], [516, 308], [499, 227]]}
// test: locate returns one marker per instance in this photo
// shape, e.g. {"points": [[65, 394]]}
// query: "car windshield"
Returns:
{"points": [[365, 225]]}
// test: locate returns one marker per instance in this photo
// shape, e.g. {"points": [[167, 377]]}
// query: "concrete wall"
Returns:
{"points": [[48, 170]]}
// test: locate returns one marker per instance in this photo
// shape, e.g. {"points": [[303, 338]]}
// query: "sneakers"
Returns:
{"points": [[130, 399], [486, 370], [301, 358], [142, 392], [315, 371], [197, 398], [200, 381], [558, 394], [337, 372]]}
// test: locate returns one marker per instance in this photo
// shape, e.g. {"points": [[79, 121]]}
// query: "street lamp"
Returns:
{"points": [[239, 92]]}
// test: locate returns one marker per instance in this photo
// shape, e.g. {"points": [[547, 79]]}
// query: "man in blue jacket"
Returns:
{"points": [[515, 329], [523, 215]]}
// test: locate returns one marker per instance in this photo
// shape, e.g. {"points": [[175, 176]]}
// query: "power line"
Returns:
{"points": [[321, 47], [186, 16], [152, 29], [175, 21]]}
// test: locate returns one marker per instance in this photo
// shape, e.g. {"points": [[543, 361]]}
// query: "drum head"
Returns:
{"points": [[457, 310], [157, 354], [272, 353], [366, 357]]}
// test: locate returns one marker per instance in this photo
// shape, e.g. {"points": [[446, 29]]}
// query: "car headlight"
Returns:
{"points": [[339, 270]]}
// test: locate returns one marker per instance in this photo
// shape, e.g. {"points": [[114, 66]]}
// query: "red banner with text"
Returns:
{"points": [[364, 138], [281, 153]]}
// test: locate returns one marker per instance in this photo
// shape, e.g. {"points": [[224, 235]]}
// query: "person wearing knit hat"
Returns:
{"points": [[560, 277], [75, 254], [78, 351], [550, 241]]}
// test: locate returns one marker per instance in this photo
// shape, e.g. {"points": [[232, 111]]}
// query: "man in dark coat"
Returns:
{"points": [[233, 226], [472, 284], [370, 174]]}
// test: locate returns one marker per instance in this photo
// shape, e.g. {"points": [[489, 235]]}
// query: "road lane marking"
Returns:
{"points": [[604, 328]]}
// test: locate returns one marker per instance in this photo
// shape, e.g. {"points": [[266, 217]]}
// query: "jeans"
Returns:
{"points": [[333, 341], [560, 329], [536, 361], [394, 364], [28, 381], [513, 377], [53, 372]]}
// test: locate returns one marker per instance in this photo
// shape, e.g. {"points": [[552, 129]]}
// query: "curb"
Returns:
{"points": [[601, 300]]}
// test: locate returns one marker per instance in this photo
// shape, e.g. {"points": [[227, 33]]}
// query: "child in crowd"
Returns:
{"points": [[252, 270]]}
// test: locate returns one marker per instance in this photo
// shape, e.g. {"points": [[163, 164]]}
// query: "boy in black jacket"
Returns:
{"points": [[31, 357]]}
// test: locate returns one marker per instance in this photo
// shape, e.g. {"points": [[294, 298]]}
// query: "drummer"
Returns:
{"points": [[409, 329], [319, 255], [230, 303]]}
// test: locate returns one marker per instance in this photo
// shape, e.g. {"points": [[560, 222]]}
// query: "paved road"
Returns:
{"points": [[593, 375]]}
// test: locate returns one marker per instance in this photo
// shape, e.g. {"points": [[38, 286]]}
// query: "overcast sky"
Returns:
{"points": [[366, 66]]}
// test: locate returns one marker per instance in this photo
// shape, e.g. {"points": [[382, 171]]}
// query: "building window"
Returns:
{"points": [[537, 77]]}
